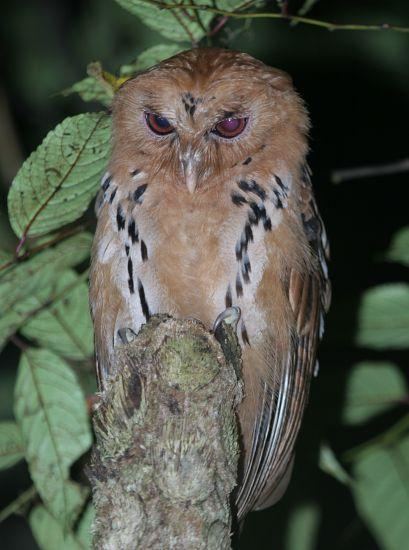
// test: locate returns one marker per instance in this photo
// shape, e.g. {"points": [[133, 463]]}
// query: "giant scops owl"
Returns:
{"points": [[207, 204]]}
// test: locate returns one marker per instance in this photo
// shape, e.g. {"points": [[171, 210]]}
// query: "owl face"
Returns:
{"points": [[193, 119]]}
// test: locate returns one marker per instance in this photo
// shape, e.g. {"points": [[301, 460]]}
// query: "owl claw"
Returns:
{"points": [[230, 316], [126, 335]]}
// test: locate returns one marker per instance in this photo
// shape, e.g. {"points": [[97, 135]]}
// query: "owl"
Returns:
{"points": [[207, 204]]}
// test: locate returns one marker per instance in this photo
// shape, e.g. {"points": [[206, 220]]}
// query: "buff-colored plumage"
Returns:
{"points": [[191, 223]]}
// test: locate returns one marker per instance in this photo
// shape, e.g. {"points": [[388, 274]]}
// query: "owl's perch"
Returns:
{"points": [[165, 460]]}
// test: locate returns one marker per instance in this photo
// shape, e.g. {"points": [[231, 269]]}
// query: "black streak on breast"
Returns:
{"points": [[237, 199], [144, 303], [130, 276], [106, 183], [111, 198], [228, 299], [137, 194], [239, 286], [120, 218], [133, 232], [144, 251]]}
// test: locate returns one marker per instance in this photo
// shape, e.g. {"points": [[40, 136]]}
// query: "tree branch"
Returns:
{"points": [[338, 176], [166, 453], [277, 15]]}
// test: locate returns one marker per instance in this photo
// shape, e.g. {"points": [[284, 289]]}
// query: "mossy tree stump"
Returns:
{"points": [[165, 460]]}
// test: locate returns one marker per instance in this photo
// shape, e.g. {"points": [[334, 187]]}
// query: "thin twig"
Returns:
{"points": [[220, 23], [277, 15], [18, 503], [338, 176], [18, 342], [60, 237]]}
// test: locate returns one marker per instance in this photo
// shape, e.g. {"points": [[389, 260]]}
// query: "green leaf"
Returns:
{"points": [[65, 327], [11, 445], [399, 248], [57, 182], [176, 24], [302, 530], [51, 535], [150, 57], [40, 299], [383, 318], [84, 528], [23, 279], [51, 413], [329, 464], [35, 277], [381, 492], [372, 388]]}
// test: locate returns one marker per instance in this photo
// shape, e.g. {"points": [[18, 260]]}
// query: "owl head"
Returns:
{"points": [[197, 118]]}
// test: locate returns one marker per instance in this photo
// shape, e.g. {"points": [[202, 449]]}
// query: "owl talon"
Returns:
{"points": [[126, 335], [230, 316]]}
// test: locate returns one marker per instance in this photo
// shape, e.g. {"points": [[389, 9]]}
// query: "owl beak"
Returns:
{"points": [[190, 178], [189, 172]]}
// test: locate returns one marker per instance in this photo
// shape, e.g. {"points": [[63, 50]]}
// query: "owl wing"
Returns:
{"points": [[110, 298], [275, 430]]}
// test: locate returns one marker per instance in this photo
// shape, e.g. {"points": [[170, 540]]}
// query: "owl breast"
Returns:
{"points": [[168, 251]]}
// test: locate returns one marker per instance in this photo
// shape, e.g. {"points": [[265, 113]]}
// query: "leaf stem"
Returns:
{"points": [[18, 503], [387, 438]]}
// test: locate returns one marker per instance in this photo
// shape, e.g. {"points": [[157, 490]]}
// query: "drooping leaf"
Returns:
{"points": [[150, 57], [50, 534], [383, 318], [329, 464], [302, 527], [51, 413], [381, 492], [65, 326], [57, 182], [11, 445], [181, 25], [372, 388], [399, 248], [23, 279]]}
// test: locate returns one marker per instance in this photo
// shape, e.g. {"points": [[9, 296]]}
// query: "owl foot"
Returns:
{"points": [[224, 329], [230, 316], [126, 335]]}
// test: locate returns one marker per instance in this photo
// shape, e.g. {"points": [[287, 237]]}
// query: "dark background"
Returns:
{"points": [[356, 87]]}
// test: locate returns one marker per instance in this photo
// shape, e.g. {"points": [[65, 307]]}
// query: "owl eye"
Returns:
{"points": [[230, 127], [158, 124]]}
